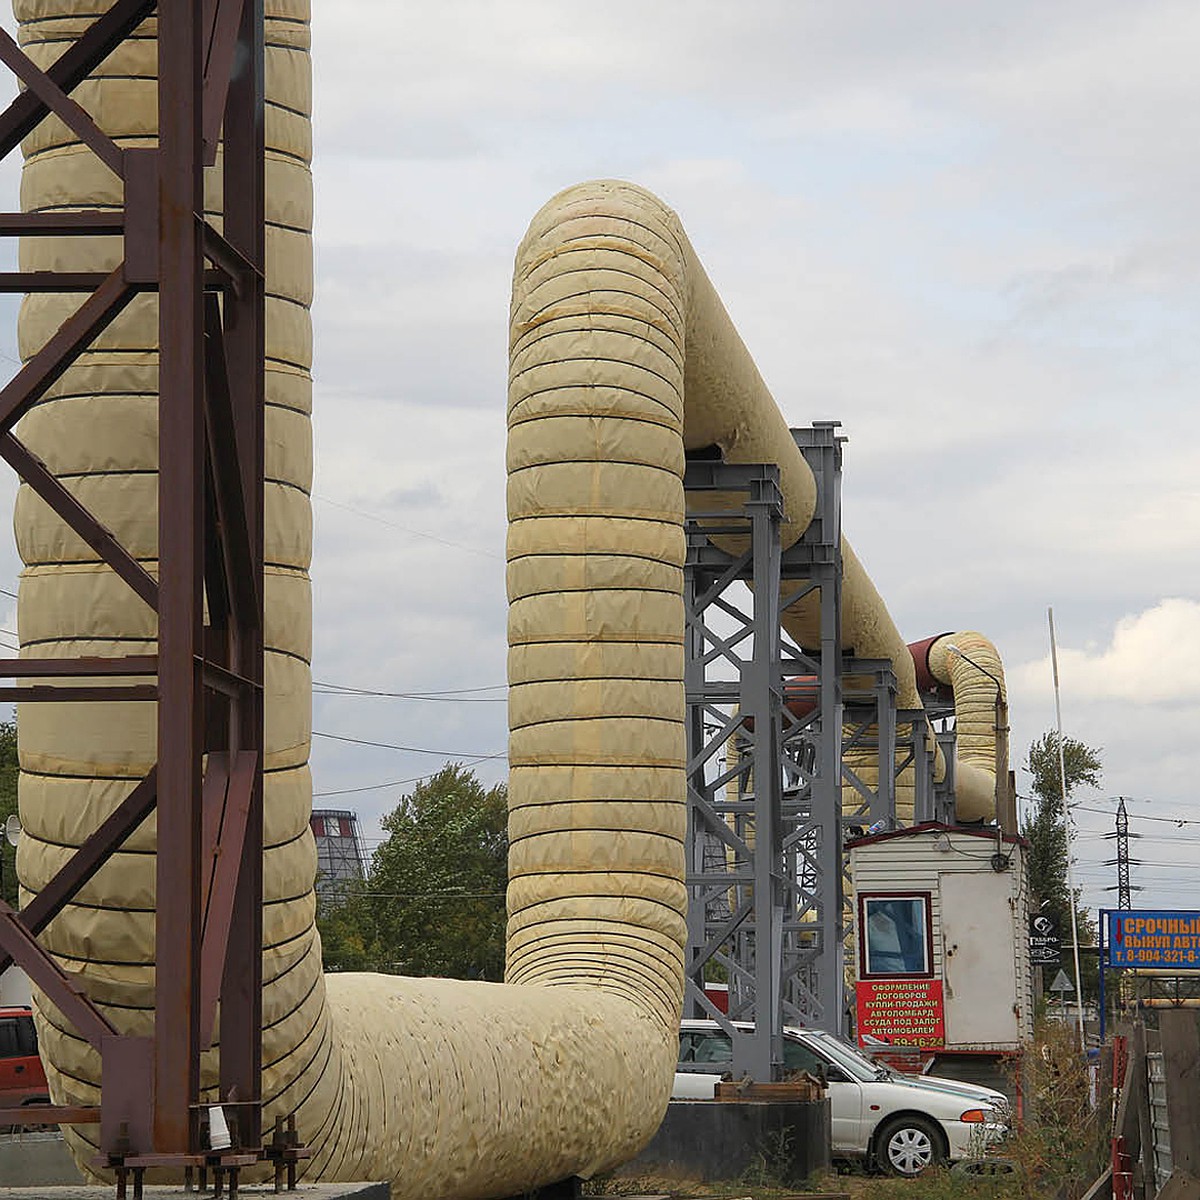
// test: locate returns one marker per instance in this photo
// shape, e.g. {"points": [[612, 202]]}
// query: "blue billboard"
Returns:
{"points": [[1157, 940]]}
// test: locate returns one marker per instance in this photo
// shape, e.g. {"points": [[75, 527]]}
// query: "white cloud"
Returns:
{"points": [[966, 231], [1153, 656]]}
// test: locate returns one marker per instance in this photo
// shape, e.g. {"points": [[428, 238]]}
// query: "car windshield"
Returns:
{"points": [[847, 1057]]}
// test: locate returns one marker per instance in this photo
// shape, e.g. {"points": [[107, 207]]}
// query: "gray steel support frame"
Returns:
{"points": [[919, 730], [943, 793], [901, 736], [869, 724], [916, 749], [764, 839]]}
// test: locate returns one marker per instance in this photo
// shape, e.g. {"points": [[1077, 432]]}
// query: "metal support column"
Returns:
{"points": [[815, 993], [734, 709], [764, 841], [943, 792], [243, 332], [869, 714], [181, 582], [916, 753]]}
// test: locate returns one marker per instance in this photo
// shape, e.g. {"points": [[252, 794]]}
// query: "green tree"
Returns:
{"points": [[8, 806], [432, 902], [1046, 831]]}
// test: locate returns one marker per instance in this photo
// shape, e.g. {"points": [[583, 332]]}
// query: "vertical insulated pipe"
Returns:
{"points": [[970, 664], [98, 430]]}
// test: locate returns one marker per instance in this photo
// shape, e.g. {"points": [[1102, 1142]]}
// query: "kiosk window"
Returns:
{"points": [[896, 935]]}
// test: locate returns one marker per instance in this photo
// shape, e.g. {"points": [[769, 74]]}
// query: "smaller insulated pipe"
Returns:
{"points": [[969, 665], [927, 685]]}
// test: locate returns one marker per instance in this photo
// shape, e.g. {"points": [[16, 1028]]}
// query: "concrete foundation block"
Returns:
{"points": [[711, 1140]]}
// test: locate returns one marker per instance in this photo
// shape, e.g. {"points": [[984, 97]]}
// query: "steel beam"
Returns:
{"points": [[58, 102], [50, 1114], [817, 978], [64, 991], [57, 668], [88, 859], [75, 334], [245, 353], [870, 724], [73, 66], [64, 224], [181, 574]]}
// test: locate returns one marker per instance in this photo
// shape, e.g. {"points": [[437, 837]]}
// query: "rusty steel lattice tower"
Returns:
{"points": [[207, 674]]}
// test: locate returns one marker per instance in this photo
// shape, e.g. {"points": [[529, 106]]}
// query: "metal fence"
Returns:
{"points": [[1156, 1079]]}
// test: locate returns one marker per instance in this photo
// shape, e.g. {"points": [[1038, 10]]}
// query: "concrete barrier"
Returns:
{"points": [[36, 1160]]}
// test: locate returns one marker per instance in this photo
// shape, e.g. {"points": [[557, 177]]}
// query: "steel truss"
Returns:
{"points": [[207, 675], [869, 726], [764, 740], [941, 793], [899, 736], [1121, 835]]}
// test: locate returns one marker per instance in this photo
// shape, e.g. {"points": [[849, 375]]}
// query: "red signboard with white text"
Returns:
{"points": [[902, 1013]]}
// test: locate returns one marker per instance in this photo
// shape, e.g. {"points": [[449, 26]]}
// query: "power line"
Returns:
{"points": [[429, 895], [1177, 821], [1145, 837], [1080, 806], [341, 737], [456, 695], [1097, 869], [432, 537], [377, 787]]}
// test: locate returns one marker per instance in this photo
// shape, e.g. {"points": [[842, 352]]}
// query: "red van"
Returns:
{"points": [[22, 1080]]}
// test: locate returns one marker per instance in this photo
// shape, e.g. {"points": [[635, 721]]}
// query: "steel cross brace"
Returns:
{"points": [[869, 689], [207, 677]]}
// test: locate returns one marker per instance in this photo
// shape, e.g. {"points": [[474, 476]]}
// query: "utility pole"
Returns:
{"points": [[1122, 854], [1123, 888]]}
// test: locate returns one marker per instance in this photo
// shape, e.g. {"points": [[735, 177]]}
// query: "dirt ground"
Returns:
{"points": [[938, 1185]]}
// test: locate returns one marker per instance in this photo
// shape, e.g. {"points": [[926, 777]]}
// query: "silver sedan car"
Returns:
{"points": [[900, 1123]]}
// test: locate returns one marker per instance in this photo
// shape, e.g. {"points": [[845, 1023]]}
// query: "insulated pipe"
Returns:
{"points": [[624, 359], [926, 683], [970, 665], [96, 428]]}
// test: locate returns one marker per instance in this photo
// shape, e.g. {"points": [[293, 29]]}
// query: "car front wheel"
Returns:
{"points": [[907, 1145]]}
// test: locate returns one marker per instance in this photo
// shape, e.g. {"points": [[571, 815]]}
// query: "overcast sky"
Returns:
{"points": [[967, 232]]}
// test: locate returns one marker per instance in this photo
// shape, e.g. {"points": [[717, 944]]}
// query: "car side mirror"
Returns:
{"points": [[832, 1074]]}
